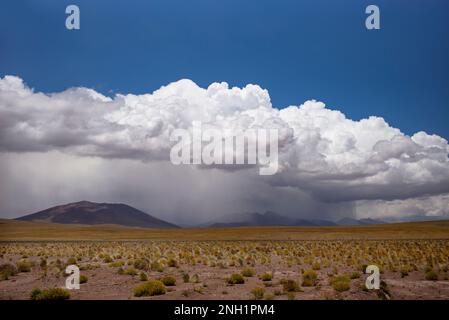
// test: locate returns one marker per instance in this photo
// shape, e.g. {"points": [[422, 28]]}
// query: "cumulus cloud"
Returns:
{"points": [[324, 156]]}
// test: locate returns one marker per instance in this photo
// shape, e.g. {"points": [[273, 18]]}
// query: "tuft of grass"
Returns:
{"points": [[258, 293], [195, 278], [404, 270], [248, 272], [168, 281], [291, 295], [309, 278], [340, 283], [185, 277], [431, 275], [83, 279], [157, 266], [290, 285], [49, 294], [266, 276], [235, 278], [143, 276], [116, 264], [130, 272], [7, 270], [150, 288], [172, 263], [269, 296], [140, 264], [23, 266]]}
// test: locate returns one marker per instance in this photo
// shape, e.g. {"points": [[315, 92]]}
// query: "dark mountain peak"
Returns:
{"points": [[87, 212]]}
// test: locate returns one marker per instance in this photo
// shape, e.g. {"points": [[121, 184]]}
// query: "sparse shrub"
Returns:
{"points": [[70, 261], [316, 265], [258, 292], [83, 279], [354, 275], [150, 288], [383, 292], [140, 264], [116, 264], [235, 278], [268, 296], [7, 270], [143, 276], [50, 294], [185, 277], [121, 271], [248, 272], [404, 271], [156, 266], [266, 276], [107, 258], [130, 272], [23, 266], [431, 275], [290, 285], [309, 278], [168, 281], [291, 295], [195, 278], [340, 283], [172, 263]]}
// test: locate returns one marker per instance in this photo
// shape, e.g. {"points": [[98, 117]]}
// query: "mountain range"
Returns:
{"points": [[91, 213], [270, 218]]}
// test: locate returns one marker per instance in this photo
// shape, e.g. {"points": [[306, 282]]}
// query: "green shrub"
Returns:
{"points": [[431, 275], [235, 278], [107, 259], [266, 276], [309, 278], [83, 279], [150, 288], [50, 294], [248, 272], [7, 270], [290, 285], [23, 266], [258, 293], [168, 281], [340, 283]]}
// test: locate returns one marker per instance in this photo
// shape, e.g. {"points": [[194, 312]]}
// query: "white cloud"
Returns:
{"points": [[323, 155]]}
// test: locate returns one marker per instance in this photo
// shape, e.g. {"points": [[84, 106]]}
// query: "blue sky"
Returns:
{"points": [[298, 50]]}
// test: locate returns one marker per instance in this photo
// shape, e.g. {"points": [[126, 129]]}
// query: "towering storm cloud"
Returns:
{"points": [[78, 144]]}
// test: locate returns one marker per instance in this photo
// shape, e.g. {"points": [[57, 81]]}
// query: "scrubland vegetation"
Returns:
{"points": [[328, 269]]}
